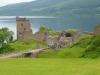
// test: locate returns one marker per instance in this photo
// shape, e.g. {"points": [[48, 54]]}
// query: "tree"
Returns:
{"points": [[5, 36], [44, 29]]}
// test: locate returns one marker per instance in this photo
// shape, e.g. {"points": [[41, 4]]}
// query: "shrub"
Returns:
{"points": [[93, 50]]}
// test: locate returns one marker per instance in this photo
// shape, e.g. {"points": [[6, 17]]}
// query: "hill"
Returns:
{"points": [[83, 15], [52, 7]]}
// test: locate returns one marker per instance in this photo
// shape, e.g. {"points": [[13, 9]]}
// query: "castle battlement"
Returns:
{"points": [[21, 19]]}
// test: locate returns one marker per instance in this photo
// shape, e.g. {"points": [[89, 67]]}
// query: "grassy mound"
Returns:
{"points": [[22, 45]]}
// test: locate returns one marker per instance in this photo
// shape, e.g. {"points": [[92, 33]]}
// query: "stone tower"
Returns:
{"points": [[24, 30], [97, 30]]}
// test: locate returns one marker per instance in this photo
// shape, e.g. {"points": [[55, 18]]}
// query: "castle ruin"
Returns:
{"points": [[64, 39], [24, 30]]}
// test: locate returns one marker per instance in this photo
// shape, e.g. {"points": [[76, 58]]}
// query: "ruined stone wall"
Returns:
{"points": [[40, 36], [76, 35], [51, 40], [61, 40]]}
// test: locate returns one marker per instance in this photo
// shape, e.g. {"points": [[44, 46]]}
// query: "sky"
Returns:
{"points": [[6, 2]]}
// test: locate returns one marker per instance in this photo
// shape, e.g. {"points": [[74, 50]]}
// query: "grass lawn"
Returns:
{"points": [[50, 66]]}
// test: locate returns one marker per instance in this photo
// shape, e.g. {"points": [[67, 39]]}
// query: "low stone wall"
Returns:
{"points": [[40, 36]]}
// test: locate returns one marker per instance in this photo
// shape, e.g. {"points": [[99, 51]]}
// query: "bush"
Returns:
{"points": [[85, 40], [5, 49], [21, 46], [93, 50]]}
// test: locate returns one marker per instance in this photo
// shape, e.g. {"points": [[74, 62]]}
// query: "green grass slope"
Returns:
{"points": [[73, 52], [93, 49], [17, 46]]}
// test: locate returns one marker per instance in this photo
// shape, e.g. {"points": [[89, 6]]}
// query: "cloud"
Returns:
{"points": [[6, 2]]}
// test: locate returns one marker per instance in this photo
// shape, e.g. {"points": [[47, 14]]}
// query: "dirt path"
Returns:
{"points": [[11, 55]]}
